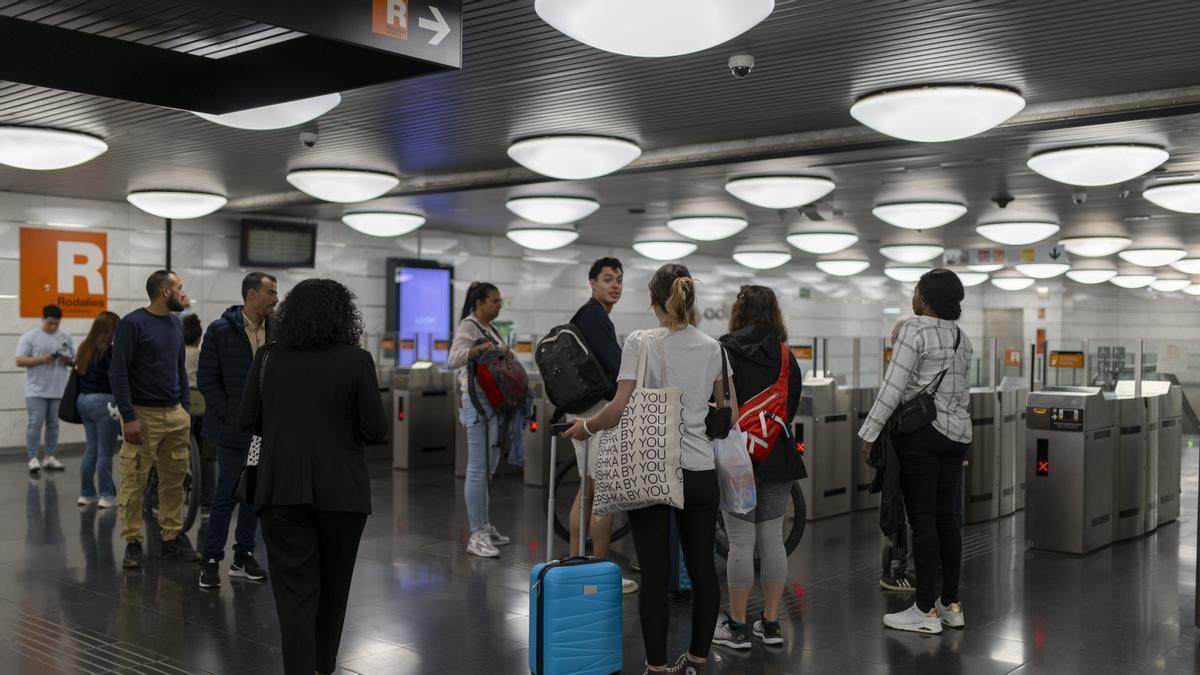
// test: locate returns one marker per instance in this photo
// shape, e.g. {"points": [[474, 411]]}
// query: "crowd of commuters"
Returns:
{"points": [[296, 383]]}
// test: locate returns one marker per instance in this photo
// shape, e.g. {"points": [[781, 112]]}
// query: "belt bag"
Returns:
{"points": [[921, 410]]}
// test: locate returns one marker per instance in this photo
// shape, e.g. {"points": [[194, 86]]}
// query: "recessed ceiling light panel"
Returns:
{"points": [[383, 223], [1097, 164], [1012, 283], [779, 192], [47, 149], [905, 274], [912, 253], [843, 268], [919, 215], [664, 249], [278, 115], [345, 186], [1152, 257], [1194, 289], [176, 204], [1187, 265], [552, 210], [1017, 233], [761, 259], [970, 279], [1133, 280], [1091, 276], [1043, 270], [1170, 285], [574, 157], [541, 238], [935, 113], [1181, 197], [1095, 247], [707, 228], [986, 269], [822, 243]]}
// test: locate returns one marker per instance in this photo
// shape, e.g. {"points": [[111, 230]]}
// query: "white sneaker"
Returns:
{"points": [[34, 466], [628, 586], [950, 617], [51, 463], [494, 535], [914, 620], [107, 502], [480, 545], [86, 501], [729, 636]]}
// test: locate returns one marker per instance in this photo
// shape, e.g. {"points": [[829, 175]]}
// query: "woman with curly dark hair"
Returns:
{"points": [[313, 397]]}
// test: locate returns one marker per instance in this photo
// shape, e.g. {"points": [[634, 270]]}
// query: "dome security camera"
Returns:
{"points": [[741, 65]]}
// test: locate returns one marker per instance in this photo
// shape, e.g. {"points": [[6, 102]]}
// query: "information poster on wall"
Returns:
{"points": [[64, 268]]}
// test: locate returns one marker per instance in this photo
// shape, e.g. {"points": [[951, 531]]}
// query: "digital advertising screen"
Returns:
{"points": [[419, 310]]}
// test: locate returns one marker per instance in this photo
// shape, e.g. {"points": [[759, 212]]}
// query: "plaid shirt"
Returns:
{"points": [[924, 349]]}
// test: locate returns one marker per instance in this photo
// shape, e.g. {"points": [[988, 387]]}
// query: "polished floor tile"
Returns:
{"points": [[421, 605]]}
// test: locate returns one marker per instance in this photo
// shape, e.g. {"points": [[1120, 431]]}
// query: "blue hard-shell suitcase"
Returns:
{"points": [[574, 607]]}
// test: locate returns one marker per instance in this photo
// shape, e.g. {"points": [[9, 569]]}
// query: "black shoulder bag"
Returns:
{"points": [[719, 420], [921, 410], [247, 480]]}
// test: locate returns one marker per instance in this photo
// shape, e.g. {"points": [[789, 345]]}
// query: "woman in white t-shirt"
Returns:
{"points": [[680, 356]]}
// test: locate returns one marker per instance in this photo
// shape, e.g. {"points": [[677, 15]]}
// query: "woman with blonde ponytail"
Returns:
{"points": [[679, 356]]}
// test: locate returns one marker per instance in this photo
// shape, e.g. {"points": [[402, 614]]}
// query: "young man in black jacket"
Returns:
{"points": [[225, 357], [606, 278]]}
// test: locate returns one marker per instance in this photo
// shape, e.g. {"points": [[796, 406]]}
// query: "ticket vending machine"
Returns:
{"points": [[822, 425], [422, 418], [1070, 447], [981, 480]]}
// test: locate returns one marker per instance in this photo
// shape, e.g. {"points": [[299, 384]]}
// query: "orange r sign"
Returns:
{"points": [[390, 18], [68, 269]]}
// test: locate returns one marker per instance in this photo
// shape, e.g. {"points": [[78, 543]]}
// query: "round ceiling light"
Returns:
{"points": [[986, 269], [344, 186], [664, 249], [1194, 289], [1012, 282], [843, 267], [919, 215], [707, 228], [1091, 276], [1097, 164], [779, 192], [906, 275], [1095, 247], [383, 223], [1133, 280], [574, 157], [1017, 233], [176, 204], [278, 115], [1170, 285], [1181, 197], [47, 149], [911, 253], [1187, 265], [1043, 270], [970, 279], [761, 258], [653, 29], [935, 113], [822, 243], [1152, 257], [540, 238], [552, 210]]}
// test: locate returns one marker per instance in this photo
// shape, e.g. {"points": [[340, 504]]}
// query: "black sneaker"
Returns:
{"points": [[210, 574], [768, 632], [247, 567], [133, 555], [730, 634], [179, 548], [898, 581]]}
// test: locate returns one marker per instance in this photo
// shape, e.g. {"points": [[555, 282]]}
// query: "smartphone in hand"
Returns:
{"points": [[559, 428]]}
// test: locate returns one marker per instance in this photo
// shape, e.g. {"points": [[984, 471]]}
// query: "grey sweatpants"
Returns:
{"points": [[761, 529]]}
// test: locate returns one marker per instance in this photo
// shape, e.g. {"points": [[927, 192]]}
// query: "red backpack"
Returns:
{"points": [[764, 416], [502, 378]]}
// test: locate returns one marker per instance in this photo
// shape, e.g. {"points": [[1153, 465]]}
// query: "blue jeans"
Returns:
{"points": [[229, 466], [479, 455], [101, 431], [42, 411]]}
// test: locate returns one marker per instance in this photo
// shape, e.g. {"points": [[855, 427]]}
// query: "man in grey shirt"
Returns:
{"points": [[46, 354]]}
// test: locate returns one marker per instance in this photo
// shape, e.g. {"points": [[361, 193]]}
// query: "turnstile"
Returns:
{"points": [[1135, 455], [1170, 448], [1070, 446], [1011, 429], [423, 418], [537, 435], [822, 424], [861, 475], [981, 479]]}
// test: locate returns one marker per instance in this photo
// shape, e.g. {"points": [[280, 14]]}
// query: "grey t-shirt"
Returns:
{"points": [[50, 379]]}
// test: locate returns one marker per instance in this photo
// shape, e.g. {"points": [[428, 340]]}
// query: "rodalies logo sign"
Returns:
{"points": [[68, 269]]}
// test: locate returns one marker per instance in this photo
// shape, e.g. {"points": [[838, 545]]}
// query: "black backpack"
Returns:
{"points": [[574, 379]]}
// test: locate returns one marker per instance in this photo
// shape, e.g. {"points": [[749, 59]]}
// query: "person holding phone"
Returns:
{"points": [[47, 354]]}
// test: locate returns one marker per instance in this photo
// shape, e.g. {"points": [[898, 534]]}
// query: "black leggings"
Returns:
{"points": [[697, 523], [931, 475]]}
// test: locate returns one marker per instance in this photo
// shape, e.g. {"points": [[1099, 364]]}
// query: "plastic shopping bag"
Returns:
{"points": [[735, 473]]}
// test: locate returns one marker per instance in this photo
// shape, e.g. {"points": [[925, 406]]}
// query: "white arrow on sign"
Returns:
{"points": [[438, 25]]}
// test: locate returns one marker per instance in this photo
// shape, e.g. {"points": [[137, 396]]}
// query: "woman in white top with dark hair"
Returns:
{"points": [[679, 356]]}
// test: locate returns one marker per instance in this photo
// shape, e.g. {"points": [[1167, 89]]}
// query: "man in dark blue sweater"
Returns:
{"points": [[606, 278], [225, 358], [150, 384]]}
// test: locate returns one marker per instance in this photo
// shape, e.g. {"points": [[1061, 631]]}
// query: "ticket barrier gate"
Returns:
{"points": [[1070, 450], [822, 425], [535, 436], [1167, 446], [981, 478], [1135, 483], [1012, 450], [861, 475], [423, 418]]}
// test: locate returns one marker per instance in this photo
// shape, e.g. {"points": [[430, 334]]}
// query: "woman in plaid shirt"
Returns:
{"points": [[930, 458]]}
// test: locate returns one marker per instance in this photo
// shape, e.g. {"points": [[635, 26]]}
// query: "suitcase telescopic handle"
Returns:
{"points": [[555, 430]]}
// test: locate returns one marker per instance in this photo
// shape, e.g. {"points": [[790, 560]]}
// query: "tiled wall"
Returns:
{"points": [[540, 294]]}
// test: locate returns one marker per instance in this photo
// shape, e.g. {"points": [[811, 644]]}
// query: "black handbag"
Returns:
{"points": [[247, 480], [68, 410], [921, 410], [719, 419]]}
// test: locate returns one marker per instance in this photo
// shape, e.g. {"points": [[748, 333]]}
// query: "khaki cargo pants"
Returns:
{"points": [[165, 433]]}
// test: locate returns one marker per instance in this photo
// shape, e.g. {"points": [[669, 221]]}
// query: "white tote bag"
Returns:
{"points": [[638, 461]]}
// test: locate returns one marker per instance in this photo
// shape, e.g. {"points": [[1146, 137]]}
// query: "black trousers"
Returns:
{"points": [[697, 523], [311, 557], [931, 476]]}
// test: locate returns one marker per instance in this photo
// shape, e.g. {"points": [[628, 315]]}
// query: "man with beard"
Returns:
{"points": [[150, 385], [229, 348]]}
